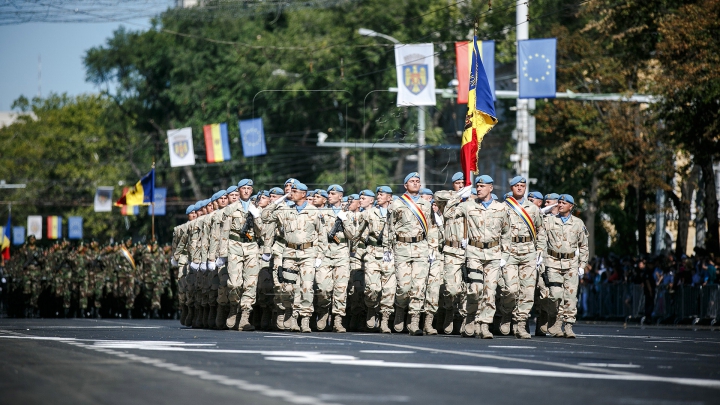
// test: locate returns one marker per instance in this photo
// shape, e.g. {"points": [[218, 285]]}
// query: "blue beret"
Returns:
{"points": [[335, 187], [277, 191], [367, 193], [410, 176], [321, 192], [207, 202], [214, 197], [474, 191], [354, 197], [231, 189], [198, 206], [290, 180], [245, 182], [310, 193], [536, 194], [265, 193], [494, 197], [517, 179], [189, 209], [221, 193], [383, 189], [552, 196], [458, 176], [426, 191], [344, 199], [299, 186], [484, 179], [567, 198]]}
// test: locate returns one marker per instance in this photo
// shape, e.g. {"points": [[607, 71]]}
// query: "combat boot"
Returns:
{"points": [[485, 331], [555, 327], [292, 325], [399, 323], [354, 324], [569, 332], [221, 317], [414, 326], [305, 325], [468, 326], [197, 322], [204, 317], [322, 321], [129, 314], [232, 320], [212, 315], [280, 320], [266, 319], [287, 319], [190, 315], [155, 314], [370, 318], [448, 322], [505, 322], [384, 323], [337, 324], [520, 331], [244, 323], [541, 324], [429, 325]]}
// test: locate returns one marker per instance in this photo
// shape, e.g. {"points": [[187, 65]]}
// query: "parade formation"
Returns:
{"points": [[295, 259]]}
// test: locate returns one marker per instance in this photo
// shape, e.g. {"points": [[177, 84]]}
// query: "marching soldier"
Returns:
{"points": [[181, 239], [194, 258], [213, 265], [542, 292], [435, 272], [126, 268]]}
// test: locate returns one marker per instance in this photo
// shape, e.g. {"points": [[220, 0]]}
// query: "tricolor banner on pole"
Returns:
{"points": [[128, 209], [103, 199], [75, 228], [142, 194], [415, 67], [252, 135], [180, 143], [217, 146], [34, 225], [463, 58], [54, 227]]}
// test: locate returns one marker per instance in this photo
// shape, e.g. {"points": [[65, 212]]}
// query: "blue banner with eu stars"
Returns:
{"points": [[536, 68]]}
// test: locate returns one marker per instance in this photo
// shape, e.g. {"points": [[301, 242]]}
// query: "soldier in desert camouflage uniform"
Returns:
{"points": [[220, 201], [543, 303], [194, 232], [435, 272], [181, 238], [219, 250]]}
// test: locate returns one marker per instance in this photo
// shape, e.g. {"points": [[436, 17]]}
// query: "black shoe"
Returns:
{"points": [[129, 314]]}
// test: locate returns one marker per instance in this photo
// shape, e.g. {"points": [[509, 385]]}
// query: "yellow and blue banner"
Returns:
{"points": [[54, 227], [518, 209], [217, 146], [142, 194], [416, 211], [5, 240]]}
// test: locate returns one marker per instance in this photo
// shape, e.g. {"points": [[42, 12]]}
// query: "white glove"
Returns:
{"points": [[318, 262], [502, 263], [342, 215], [210, 265], [173, 262], [266, 257], [203, 266], [581, 271], [464, 243], [438, 219], [431, 258], [254, 210], [539, 259], [282, 199], [220, 261], [195, 266], [465, 192], [387, 257]]}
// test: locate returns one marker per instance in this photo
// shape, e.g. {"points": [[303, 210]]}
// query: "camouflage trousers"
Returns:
{"points": [[411, 274], [356, 289], [380, 284], [303, 290], [563, 293], [214, 282], [454, 285], [126, 289], [33, 289], [96, 289], [243, 269], [84, 293], [265, 289], [480, 294], [63, 289], [183, 270], [332, 279], [517, 288], [190, 281], [223, 289], [543, 303], [201, 288], [153, 292], [434, 281]]}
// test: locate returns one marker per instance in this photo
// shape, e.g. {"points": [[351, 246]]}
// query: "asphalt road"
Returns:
{"points": [[78, 361]]}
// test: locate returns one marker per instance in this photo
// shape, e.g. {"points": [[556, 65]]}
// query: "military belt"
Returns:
{"points": [[414, 239], [239, 238], [453, 244], [474, 276], [522, 239], [341, 240], [484, 245], [554, 284], [300, 246], [561, 256]]}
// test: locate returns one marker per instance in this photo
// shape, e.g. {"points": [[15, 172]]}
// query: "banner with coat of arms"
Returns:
{"points": [[415, 65], [180, 143]]}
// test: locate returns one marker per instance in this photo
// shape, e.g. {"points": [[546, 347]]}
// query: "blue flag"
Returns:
{"points": [[252, 136], [536, 67], [160, 197], [18, 236], [75, 228]]}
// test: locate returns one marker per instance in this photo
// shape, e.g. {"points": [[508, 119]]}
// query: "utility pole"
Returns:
{"points": [[39, 77], [522, 21]]}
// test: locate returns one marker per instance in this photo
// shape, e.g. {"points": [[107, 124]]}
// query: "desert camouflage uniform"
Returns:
{"points": [[219, 249], [194, 246], [180, 254], [274, 244], [453, 255], [243, 266], [380, 283], [214, 241], [356, 287], [333, 275]]}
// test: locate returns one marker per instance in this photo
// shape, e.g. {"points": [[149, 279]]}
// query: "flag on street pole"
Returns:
{"points": [[463, 57], [415, 68], [159, 206], [18, 237], [75, 228], [142, 194], [103, 199], [180, 143], [536, 64], [5, 240], [34, 224], [54, 227], [252, 135], [217, 146], [480, 117]]}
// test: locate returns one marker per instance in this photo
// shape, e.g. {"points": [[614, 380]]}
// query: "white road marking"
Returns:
{"points": [[513, 347], [387, 351], [665, 341], [96, 327], [610, 365], [365, 398]]}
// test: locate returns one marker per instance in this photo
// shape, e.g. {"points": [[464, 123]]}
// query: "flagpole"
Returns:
{"points": [[152, 204]]}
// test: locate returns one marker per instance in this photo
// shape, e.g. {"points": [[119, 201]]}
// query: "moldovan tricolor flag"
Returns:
{"points": [[480, 117], [128, 209], [463, 58], [5, 240], [54, 227], [142, 194], [217, 146]]}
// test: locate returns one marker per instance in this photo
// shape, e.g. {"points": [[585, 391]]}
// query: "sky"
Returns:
{"points": [[61, 46]]}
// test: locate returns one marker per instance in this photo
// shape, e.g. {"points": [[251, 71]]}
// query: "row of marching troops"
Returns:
{"points": [[89, 280], [416, 261]]}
